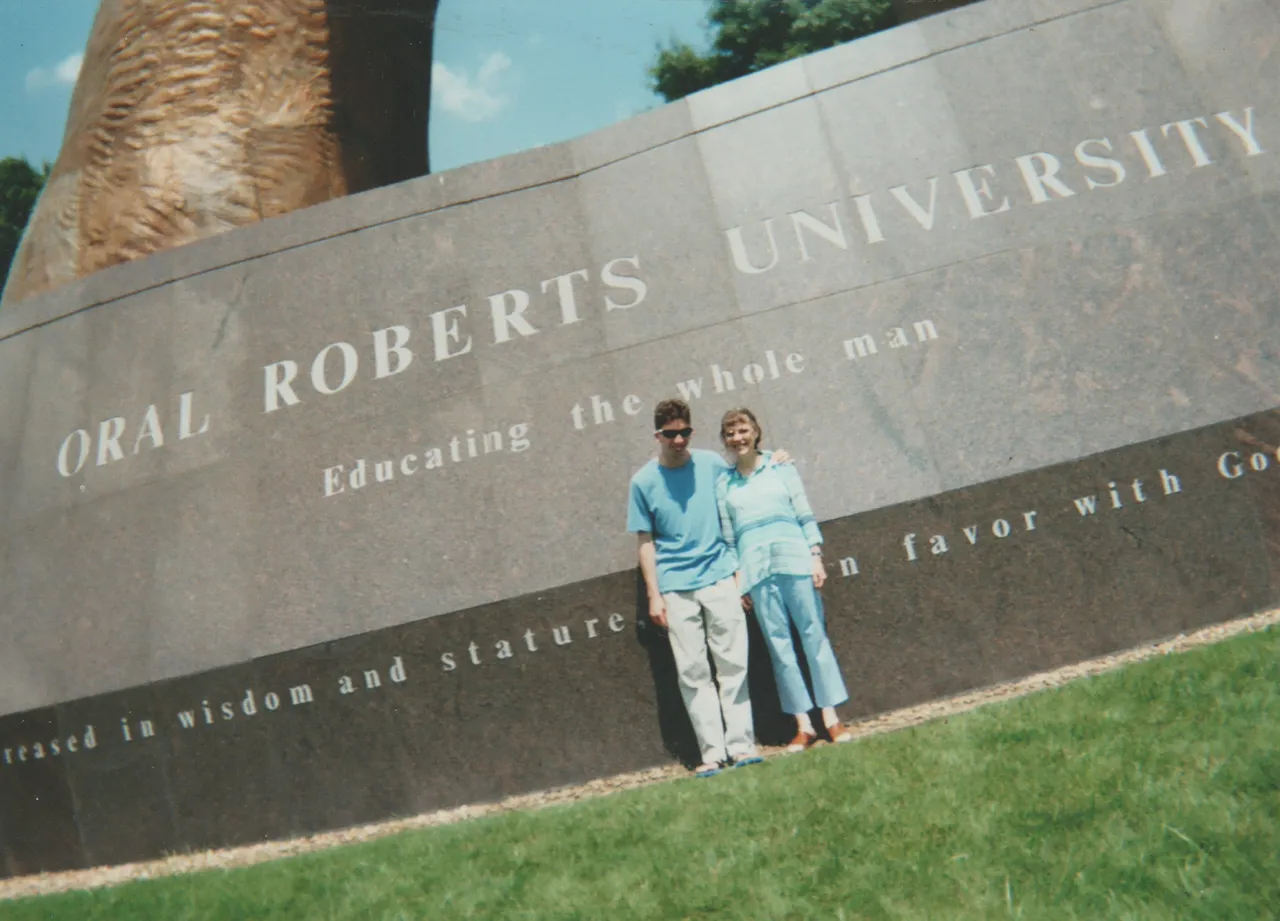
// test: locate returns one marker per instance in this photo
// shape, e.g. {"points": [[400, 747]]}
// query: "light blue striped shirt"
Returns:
{"points": [[765, 516]]}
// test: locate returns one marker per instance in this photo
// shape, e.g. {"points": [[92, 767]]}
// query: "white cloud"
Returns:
{"points": [[474, 99], [68, 69], [64, 73]]}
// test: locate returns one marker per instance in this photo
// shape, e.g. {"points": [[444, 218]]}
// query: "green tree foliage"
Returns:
{"points": [[751, 35], [20, 185]]}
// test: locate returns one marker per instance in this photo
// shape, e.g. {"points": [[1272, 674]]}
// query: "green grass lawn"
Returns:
{"points": [[1150, 793]]}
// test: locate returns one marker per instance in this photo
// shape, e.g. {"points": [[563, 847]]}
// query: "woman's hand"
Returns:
{"points": [[746, 604], [780, 456], [819, 572]]}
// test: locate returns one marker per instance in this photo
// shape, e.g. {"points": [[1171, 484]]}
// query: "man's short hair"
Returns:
{"points": [[670, 411]]}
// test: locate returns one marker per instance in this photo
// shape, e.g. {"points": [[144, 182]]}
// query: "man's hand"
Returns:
{"points": [[746, 604], [658, 611], [819, 572], [780, 456], [649, 568]]}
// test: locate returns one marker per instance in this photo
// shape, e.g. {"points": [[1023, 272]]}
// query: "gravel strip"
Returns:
{"points": [[247, 855]]}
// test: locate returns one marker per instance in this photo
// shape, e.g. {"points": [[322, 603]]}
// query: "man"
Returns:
{"points": [[691, 577]]}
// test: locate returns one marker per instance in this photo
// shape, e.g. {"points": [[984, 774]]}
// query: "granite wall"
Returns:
{"points": [[971, 272]]}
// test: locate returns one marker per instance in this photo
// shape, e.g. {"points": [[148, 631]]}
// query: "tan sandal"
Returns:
{"points": [[802, 741], [839, 733]]}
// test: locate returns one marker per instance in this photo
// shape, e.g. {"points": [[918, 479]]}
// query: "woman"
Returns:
{"points": [[766, 518]]}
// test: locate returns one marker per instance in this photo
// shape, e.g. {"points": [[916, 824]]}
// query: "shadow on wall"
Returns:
{"points": [[772, 726]]}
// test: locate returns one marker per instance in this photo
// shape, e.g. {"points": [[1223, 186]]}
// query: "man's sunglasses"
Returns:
{"points": [[675, 433]]}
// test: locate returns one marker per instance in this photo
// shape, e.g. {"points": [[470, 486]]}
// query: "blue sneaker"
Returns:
{"points": [[750, 759], [708, 770]]}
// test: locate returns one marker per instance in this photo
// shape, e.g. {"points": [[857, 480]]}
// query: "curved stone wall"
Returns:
{"points": [[1004, 280]]}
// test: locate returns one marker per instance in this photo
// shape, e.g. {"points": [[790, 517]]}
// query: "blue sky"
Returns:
{"points": [[509, 74]]}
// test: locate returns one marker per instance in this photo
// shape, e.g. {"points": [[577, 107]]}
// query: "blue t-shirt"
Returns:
{"points": [[677, 505]]}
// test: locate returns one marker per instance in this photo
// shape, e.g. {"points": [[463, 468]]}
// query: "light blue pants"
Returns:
{"points": [[780, 601]]}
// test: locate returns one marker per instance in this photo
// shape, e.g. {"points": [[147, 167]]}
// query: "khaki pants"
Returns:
{"points": [[712, 618]]}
